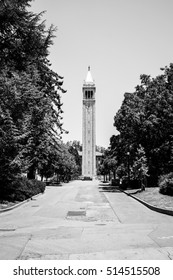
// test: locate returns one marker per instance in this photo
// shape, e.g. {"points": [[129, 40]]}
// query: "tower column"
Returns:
{"points": [[88, 128]]}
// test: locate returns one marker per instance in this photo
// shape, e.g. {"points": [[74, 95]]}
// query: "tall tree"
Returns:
{"points": [[145, 118], [30, 90]]}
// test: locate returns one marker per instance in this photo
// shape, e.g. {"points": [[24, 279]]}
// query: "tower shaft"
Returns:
{"points": [[88, 128]]}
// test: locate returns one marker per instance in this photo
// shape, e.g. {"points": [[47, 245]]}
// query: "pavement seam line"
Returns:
{"points": [[169, 255], [112, 209], [155, 241], [22, 250]]}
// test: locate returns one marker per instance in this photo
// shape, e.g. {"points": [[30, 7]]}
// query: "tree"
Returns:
{"points": [[140, 167], [145, 118], [74, 152], [112, 166], [66, 167], [75, 144], [30, 92], [9, 165]]}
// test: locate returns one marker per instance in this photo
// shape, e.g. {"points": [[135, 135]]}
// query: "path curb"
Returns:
{"points": [[19, 204], [154, 208]]}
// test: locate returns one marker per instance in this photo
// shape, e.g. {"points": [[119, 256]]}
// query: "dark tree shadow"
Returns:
{"points": [[108, 188], [104, 184]]}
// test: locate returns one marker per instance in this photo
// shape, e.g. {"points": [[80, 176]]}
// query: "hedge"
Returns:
{"points": [[166, 184], [22, 189]]}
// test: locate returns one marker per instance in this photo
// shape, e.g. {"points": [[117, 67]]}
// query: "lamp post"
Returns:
{"points": [[128, 167]]}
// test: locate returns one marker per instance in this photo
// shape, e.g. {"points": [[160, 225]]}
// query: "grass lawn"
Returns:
{"points": [[153, 197], [6, 204]]}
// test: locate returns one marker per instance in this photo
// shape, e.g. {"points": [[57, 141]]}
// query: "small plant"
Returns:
{"points": [[166, 184]]}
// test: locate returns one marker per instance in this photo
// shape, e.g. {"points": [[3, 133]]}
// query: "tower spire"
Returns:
{"points": [[89, 79]]}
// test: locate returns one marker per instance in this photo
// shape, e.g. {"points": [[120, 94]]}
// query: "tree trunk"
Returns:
{"points": [[31, 173]]}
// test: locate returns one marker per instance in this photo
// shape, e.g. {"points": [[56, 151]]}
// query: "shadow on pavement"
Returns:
{"points": [[53, 185], [103, 188]]}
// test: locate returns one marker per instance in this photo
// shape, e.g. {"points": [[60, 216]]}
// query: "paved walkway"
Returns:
{"points": [[84, 220]]}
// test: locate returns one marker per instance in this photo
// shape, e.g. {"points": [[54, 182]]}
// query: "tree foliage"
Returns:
{"points": [[145, 120], [30, 94]]}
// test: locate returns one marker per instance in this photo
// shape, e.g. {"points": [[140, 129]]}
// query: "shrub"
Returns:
{"points": [[135, 184], [125, 184], [115, 182], [166, 184], [22, 189]]}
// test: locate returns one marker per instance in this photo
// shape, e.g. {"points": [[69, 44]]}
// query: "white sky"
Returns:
{"points": [[119, 39]]}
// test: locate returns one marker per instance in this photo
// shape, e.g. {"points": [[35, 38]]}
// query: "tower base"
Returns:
{"points": [[86, 178]]}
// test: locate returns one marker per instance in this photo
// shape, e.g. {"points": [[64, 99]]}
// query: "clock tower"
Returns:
{"points": [[88, 128]]}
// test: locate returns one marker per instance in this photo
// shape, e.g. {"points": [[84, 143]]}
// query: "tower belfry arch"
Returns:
{"points": [[88, 127]]}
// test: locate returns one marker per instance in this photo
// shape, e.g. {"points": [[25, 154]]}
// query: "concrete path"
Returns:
{"points": [[85, 220]]}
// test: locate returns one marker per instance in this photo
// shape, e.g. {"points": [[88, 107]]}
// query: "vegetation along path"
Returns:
{"points": [[71, 222]]}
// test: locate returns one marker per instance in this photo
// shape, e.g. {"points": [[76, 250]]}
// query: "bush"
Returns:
{"points": [[22, 189], [125, 184], [135, 184], [166, 184], [115, 182], [130, 184]]}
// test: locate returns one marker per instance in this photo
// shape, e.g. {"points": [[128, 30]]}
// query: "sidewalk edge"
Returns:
{"points": [[19, 204]]}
